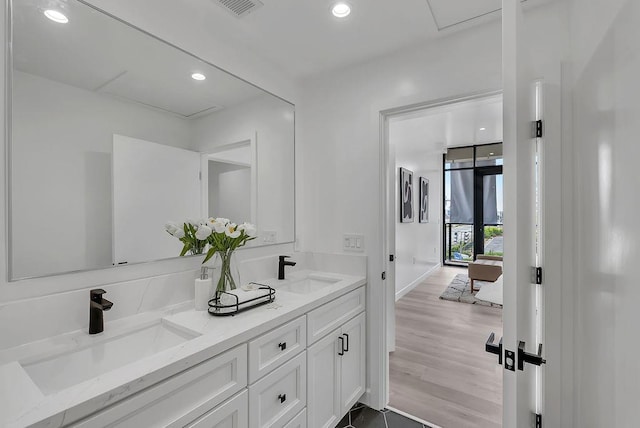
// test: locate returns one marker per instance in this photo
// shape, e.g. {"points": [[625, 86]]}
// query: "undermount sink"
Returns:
{"points": [[63, 370], [309, 284]]}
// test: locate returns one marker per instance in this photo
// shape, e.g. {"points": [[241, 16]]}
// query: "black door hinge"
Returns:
{"points": [[536, 131], [536, 275], [384, 276], [538, 420], [391, 257]]}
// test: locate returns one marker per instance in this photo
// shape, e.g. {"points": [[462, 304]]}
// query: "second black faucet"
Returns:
{"points": [[282, 262]]}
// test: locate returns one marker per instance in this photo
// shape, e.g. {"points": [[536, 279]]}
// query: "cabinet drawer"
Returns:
{"points": [[231, 414], [274, 348], [180, 399], [332, 315], [300, 421], [276, 398]]}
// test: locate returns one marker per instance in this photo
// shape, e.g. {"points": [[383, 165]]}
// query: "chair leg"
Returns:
{"points": [[472, 290]]}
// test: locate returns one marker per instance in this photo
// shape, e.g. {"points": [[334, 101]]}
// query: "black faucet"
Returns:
{"points": [[96, 308], [281, 264]]}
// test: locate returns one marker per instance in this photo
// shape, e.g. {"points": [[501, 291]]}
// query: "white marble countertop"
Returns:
{"points": [[23, 404]]}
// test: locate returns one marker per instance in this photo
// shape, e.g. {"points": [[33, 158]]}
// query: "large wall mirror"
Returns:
{"points": [[115, 132]]}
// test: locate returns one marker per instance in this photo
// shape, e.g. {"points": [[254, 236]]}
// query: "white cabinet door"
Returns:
{"points": [[232, 414], [352, 376], [323, 372]]}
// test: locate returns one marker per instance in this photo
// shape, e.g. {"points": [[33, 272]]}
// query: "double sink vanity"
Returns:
{"points": [[296, 362], [128, 115]]}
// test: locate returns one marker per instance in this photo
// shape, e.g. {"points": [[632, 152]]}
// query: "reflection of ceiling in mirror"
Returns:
{"points": [[98, 53], [236, 155]]}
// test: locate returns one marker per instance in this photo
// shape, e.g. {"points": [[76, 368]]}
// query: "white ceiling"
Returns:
{"points": [[435, 129], [303, 38], [97, 53]]}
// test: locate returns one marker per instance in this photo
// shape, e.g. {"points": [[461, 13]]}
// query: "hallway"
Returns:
{"points": [[440, 371]]}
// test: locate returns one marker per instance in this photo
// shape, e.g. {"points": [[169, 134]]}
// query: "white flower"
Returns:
{"points": [[231, 231], [249, 229], [216, 225], [179, 233], [203, 232], [223, 220], [170, 227]]}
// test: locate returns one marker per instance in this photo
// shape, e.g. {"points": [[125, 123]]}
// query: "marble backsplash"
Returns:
{"points": [[32, 319]]}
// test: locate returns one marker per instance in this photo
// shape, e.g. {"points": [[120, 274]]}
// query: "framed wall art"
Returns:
{"points": [[406, 196], [423, 213]]}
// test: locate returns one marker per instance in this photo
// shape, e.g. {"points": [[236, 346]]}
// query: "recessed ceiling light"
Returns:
{"points": [[56, 16], [483, 129], [341, 10], [491, 154], [198, 76]]}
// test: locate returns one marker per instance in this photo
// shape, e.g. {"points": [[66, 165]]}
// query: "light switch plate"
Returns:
{"points": [[353, 242], [269, 236]]}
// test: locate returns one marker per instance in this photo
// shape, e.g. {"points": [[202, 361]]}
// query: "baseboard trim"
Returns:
{"points": [[413, 284], [415, 418]]}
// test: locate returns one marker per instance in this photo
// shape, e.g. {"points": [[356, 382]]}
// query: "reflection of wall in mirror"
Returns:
{"points": [[62, 136], [229, 191], [272, 121], [152, 184]]}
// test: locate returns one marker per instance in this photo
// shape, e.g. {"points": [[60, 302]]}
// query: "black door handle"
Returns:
{"points": [[346, 349], [525, 357], [492, 348], [341, 353], [282, 398], [282, 345]]}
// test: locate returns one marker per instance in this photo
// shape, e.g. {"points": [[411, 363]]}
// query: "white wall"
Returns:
{"points": [[230, 191], [418, 245], [269, 121], [69, 149], [338, 125], [606, 66]]}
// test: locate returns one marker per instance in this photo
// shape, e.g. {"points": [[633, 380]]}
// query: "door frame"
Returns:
{"points": [[386, 306], [558, 289]]}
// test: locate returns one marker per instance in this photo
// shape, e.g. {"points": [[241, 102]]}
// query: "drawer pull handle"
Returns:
{"points": [[346, 349], [282, 398], [282, 345], [341, 353]]}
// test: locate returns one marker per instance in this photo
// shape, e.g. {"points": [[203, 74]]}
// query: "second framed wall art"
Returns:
{"points": [[406, 196]]}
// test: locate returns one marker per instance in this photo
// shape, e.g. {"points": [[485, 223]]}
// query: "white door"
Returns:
{"points": [[323, 374], [352, 379], [522, 302], [152, 184]]}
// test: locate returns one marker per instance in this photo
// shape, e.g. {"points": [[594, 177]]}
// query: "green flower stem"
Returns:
{"points": [[226, 281]]}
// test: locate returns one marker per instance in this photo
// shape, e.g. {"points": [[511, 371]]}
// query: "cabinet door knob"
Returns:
{"points": [[341, 353], [282, 398], [282, 345]]}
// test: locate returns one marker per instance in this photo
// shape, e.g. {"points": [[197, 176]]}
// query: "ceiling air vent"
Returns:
{"points": [[240, 8]]}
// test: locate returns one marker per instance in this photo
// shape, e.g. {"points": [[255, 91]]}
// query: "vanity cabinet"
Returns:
{"points": [[306, 372], [179, 400], [336, 373]]}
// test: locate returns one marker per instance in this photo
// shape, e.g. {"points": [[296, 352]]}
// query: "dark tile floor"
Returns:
{"points": [[361, 416]]}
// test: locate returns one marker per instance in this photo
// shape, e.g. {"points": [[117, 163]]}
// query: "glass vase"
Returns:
{"points": [[226, 273], [197, 248]]}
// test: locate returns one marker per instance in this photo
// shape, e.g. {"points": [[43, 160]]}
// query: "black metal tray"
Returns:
{"points": [[219, 310]]}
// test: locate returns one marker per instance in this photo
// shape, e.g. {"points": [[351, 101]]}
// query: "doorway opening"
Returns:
{"points": [[444, 187]]}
